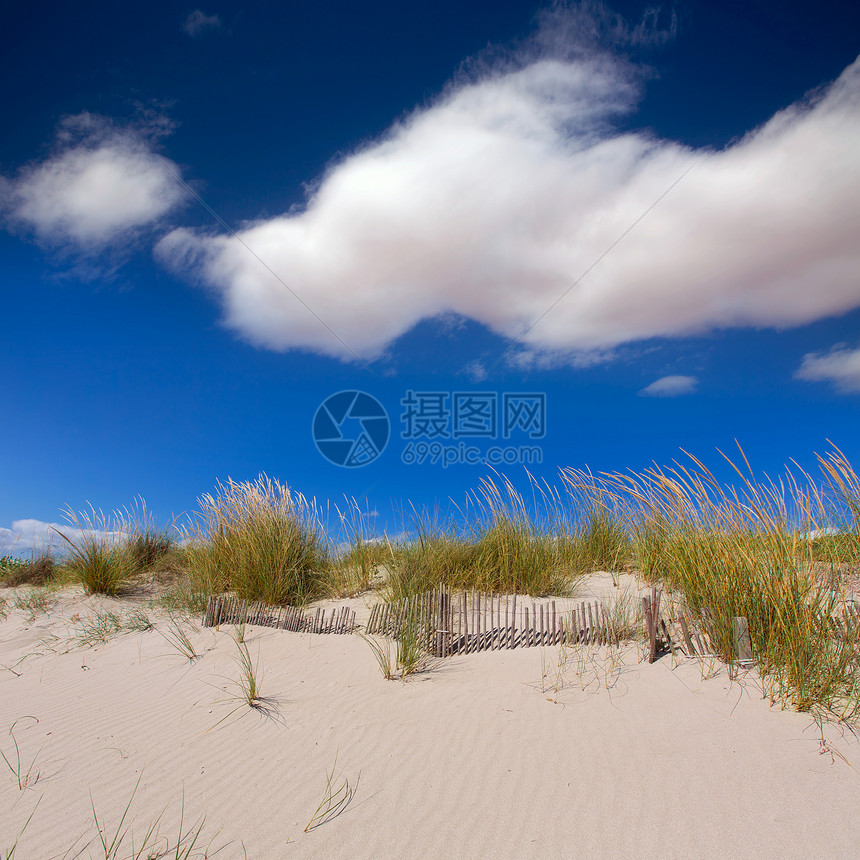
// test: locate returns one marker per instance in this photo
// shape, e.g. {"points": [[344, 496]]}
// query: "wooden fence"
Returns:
{"points": [[464, 622], [223, 609], [450, 622]]}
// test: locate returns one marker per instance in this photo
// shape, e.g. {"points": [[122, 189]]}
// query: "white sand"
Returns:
{"points": [[470, 760]]}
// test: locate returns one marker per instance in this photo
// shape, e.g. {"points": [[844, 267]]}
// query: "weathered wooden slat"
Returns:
{"points": [[685, 632]]}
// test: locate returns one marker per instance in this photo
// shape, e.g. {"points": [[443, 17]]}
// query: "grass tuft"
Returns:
{"points": [[98, 628], [33, 601], [121, 843], [178, 638], [260, 541], [107, 552], [25, 775], [249, 677], [334, 800], [746, 552], [41, 571]]}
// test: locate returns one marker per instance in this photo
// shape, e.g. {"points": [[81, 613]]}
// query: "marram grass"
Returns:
{"points": [[746, 551], [106, 552], [259, 540], [784, 554]]}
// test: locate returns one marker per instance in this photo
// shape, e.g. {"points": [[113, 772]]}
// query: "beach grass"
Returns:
{"points": [[745, 551], [107, 552], [120, 842], [176, 636], [40, 570], [784, 554], [259, 540], [250, 676], [337, 795], [26, 774], [34, 600]]}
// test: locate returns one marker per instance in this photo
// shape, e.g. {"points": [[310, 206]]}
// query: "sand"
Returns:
{"points": [[480, 757]]}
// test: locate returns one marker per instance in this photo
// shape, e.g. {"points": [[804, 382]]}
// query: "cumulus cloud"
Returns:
{"points": [[670, 386], [492, 200], [27, 537], [197, 23], [102, 184], [840, 366]]}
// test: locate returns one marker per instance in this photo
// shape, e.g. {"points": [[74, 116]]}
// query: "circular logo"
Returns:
{"points": [[351, 428]]}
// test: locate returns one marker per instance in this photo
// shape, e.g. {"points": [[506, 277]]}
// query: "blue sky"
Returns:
{"points": [[648, 215]]}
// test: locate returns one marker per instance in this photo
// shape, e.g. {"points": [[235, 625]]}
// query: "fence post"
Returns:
{"points": [[743, 644], [651, 609]]}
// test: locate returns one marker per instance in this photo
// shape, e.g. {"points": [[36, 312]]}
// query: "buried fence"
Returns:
{"points": [[449, 622], [463, 622], [224, 609]]}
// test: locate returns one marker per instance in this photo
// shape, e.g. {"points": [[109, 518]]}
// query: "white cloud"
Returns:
{"points": [[491, 201], [841, 366], [476, 371], [198, 22], [27, 537], [101, 184], [670, 386]]}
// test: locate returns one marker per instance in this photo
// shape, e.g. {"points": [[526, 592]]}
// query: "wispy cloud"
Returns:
{"points": [[476, 371], [671, 386], [197, 23], [840, 366], [102, 184], [27, 537], [496, 197]]}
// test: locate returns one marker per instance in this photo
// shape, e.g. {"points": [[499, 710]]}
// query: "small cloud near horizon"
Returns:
{"points": [[198, 22], [34, 537], [671, 386], [840, 366]]}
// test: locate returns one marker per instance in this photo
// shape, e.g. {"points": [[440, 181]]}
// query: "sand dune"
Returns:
{"points": [[481, 757]]}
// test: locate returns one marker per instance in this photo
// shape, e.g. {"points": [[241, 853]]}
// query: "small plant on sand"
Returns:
{"points": [[410, 654], [9, 853], [120, 842], [381, 649], [249, 677], [98, 628], [623, 619], [25, 774], [553, 671], [138, 621], [247, 687], [178, 638], [336, 797], [33, 601]]}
